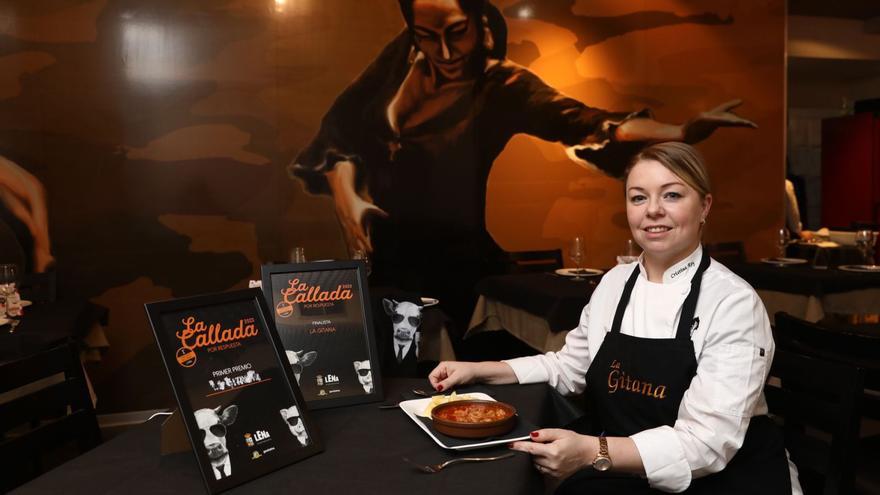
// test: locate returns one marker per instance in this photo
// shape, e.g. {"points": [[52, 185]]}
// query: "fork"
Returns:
{"points": [[424, 393], [436, 468]]}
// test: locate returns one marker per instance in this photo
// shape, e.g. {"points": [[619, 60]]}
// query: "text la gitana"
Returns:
{"points": [[301, 292], [197, 334]]}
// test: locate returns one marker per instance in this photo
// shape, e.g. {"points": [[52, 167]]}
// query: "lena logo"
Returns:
{"points": [[331, 378], [260, 435], [619, 380], [302, 292], [197, 334]]}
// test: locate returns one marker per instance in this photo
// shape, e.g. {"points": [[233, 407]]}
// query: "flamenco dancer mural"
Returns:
{"points": [[432, 134], [406, 150]]}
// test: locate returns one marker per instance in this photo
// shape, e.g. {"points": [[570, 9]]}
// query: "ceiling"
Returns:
{"points": [[819, 69], [839, 70], [850, 9]]}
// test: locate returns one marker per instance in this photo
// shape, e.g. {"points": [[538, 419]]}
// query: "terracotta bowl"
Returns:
{"points": [[468, 418]]}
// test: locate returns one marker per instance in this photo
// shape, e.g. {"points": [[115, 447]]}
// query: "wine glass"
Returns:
{"points": [[782, 241], [576, 254], [360, 254], [630, 253], [865, 241], [8, 279], [298, 255]]}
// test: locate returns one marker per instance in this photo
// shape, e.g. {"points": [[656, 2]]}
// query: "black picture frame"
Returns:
{"points": [[254, 387], [339, 331]]}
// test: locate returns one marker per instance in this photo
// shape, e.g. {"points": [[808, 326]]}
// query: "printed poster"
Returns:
{"points": [[236, 397], [323, 321]]}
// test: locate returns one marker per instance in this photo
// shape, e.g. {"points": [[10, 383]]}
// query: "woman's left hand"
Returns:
{"points": [[559, 453], [704, 124]]}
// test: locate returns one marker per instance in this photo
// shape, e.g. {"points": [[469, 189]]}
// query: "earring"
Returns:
{"points": [[413, 53], [703, 221], [488, 40]]}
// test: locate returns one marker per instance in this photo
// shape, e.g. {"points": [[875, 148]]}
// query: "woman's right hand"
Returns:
{"points": [[352, 210], [449, 374], [354, 213]]}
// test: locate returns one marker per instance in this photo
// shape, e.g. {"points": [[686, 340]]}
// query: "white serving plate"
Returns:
{"points": [[860, 268], [414, 408], [783, 261], [583, 272]]}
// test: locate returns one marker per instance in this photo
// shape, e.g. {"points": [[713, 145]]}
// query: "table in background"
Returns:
{"points": [[829, 256], [809, 293], [537, 308], [363, 447]]}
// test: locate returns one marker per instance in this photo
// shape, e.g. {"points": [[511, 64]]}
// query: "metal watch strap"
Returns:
{"points": [[602, 462]]}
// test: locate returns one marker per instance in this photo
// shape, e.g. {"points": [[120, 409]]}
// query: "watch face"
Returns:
{"points": [[602, 464]]}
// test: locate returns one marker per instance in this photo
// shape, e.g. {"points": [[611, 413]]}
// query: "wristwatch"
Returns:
{"points": [[602, 462]]}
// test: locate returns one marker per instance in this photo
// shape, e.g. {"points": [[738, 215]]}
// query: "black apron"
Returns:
{"points": [[635, 384]]}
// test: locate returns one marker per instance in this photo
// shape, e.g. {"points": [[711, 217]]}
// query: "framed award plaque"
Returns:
{"points": [[322, 313], [238, 396]]}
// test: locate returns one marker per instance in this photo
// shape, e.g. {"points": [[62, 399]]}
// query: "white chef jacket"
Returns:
{"points": [[734, 348]]}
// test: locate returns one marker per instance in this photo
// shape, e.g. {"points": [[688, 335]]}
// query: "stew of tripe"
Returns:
{"points": [[473, 413]]}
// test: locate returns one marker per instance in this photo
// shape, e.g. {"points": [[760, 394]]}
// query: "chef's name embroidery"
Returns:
{"points": [[302, 292], [682, 269], [198, 334], [619, 380]]}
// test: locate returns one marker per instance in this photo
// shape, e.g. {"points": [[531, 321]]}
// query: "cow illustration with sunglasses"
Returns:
{"points": [[365, 374], [295, 423], [405, 318], [299, 360], [212, 424]]}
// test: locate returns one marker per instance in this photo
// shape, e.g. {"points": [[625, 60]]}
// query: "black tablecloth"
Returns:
{"points": [[362, 454], [557, 299], [803, 279], [44, 325], [833, 257]]}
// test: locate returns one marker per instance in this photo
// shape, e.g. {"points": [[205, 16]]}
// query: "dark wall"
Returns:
{"points": [[161, 131]]}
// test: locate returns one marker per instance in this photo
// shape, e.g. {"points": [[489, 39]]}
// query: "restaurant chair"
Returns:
{"points": [[841, 344], [533, 261], [727, 252], [818, 401], [37, 423], [38, 287], [11, 250]]}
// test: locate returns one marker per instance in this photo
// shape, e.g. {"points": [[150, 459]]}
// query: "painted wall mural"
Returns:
{"points": [[180, 144]]}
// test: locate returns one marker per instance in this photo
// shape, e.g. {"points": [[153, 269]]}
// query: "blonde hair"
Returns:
{"points": [[681, 159]]}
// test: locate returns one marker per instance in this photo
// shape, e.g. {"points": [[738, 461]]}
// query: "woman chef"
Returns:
{"points": [[673, 352]]}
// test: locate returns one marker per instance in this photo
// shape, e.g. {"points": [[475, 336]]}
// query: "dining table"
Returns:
{"points": [[537, 308], [363, 451], [811, 293], [825, 253]]}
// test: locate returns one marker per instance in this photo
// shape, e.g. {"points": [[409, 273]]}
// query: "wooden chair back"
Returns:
{"points": [[819, 402], [727, 252], [38, 287], [841, 344], [533, 261], [36, 422]]}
